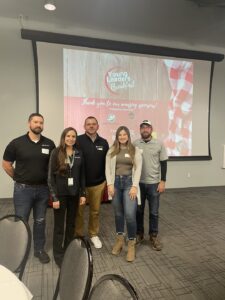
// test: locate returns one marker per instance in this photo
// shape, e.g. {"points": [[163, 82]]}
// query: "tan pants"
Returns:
{"points": [[94, 198]]}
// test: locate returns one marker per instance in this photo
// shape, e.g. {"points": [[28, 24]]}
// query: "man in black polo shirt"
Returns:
{"points": [[31, 154], [94, 149]]}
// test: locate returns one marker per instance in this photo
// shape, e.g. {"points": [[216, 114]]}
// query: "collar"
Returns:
{"points": [[145, 142], [28, 137], [97, 137]]}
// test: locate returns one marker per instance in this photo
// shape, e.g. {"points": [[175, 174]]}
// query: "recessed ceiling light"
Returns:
{"points": [[50, 5]]}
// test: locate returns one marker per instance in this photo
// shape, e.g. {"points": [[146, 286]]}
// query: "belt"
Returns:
{"points": [[31, 185]]}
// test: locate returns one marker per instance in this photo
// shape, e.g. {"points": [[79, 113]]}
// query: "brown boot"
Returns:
{"points": [[118, 244], [155, 242], [139, 238], [131, 250]]}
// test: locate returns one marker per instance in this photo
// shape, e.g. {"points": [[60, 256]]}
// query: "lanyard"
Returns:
{"points": [[71, 161]]}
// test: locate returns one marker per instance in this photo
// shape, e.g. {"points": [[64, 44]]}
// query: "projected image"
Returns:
{"points": [[126, 89]]}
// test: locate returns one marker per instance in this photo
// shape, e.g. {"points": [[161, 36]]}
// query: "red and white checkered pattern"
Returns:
{"points": [[179, 140]]}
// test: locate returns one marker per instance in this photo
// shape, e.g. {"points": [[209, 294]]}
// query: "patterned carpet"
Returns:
{"points": [[191, 265]]}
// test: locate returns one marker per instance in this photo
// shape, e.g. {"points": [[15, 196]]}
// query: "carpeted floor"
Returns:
{"points": [[190, 266]]}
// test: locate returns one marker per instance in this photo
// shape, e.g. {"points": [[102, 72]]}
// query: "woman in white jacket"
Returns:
{"points": [[123, 171]]}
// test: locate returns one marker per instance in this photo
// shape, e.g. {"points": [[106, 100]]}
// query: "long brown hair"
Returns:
{"points": [[62, 156], [116, 144]]}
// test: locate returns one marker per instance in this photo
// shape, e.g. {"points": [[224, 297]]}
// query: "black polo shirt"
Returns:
{"points": [[94, 158], [31, 159]]}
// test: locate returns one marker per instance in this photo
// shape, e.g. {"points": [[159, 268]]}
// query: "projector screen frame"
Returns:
{"points": [[57, 38]]}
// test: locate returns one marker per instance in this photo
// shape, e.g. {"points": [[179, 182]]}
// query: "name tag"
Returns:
{"points": [[100, 148], [127, 155], [70, 181], [45, 151]]}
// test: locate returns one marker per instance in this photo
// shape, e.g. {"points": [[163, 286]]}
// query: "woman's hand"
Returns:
{"points": [[111, 191], [133, 193], [56, 204], [82, 200]]}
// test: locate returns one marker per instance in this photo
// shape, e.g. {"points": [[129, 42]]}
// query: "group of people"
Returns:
{"points": [[77, 172]]}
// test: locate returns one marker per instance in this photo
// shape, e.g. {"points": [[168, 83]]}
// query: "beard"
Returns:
{"points": [[145, 135], [36, 130]]}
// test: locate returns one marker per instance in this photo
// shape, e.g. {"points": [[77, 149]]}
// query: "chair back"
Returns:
{"points": [[76, 272], [15, 237], [112, 286]]}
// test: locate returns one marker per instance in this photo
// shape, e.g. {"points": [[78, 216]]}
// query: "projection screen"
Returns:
{"points": [[124, 87]]}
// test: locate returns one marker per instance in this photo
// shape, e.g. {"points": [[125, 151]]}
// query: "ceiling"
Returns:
{"points": [[194, 22]]}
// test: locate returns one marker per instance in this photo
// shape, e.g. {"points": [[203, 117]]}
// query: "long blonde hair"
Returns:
{"points": [[116, 144]]}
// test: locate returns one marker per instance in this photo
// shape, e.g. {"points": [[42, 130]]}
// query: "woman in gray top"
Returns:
{"points": [[123, 171]]}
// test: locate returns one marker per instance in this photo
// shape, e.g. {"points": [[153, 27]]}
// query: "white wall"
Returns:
{"points": [[17, 90], [17, 100]]}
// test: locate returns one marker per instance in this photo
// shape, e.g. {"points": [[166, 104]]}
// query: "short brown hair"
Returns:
{"points": [[31, 116], [90, 117]]}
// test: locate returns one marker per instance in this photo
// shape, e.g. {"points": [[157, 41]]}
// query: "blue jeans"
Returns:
{"points": [[124, 207], [27, 197], [149, 192]]}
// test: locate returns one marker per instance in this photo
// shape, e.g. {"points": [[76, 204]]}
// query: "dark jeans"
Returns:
{"points": [[124, 207], [149, 192], [64, 231], [27, 197]]}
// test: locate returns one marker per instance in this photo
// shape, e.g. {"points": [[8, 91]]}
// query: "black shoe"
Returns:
{"points": [[58, 263], [43, 256], [58, 259], [139, 238]]}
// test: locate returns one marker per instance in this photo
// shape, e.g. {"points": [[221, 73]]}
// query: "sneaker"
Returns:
{"points": [[139, 238], [154, 240], [96, 242], [43, 256]]}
